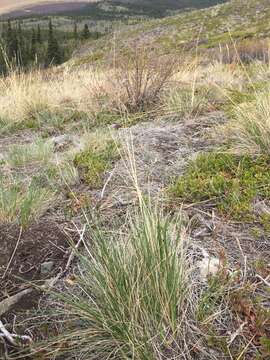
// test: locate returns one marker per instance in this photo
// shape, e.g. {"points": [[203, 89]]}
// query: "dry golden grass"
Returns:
{"points": [[251, 128], [39, 94], [25, 96], [89, 91]]}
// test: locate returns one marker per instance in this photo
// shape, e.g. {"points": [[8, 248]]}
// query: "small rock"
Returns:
{"points": [[116, 126], [61, 142], [46, 267], [208, 266]]}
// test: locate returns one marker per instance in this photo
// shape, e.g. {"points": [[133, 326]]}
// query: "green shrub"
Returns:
{"points": [[232, 182]]}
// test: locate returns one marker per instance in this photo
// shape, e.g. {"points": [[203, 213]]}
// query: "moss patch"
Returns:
{"points": [[93, 162], [233, 182]]}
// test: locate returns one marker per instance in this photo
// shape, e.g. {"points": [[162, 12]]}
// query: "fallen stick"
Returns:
{"points": [[13, 339], [6, 304], [263, 280]]}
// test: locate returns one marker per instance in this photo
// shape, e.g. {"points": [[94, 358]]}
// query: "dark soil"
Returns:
{"points": [[43, 241]]}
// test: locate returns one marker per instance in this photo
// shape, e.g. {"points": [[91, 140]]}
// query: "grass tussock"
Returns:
{"points": [[134, 295], [191, 101], [47, 99], [251, 128], [138, 296], [39, 152], [22, 204]]}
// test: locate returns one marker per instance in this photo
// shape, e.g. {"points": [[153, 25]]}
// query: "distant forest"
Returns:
{"points": [[26, 48]]}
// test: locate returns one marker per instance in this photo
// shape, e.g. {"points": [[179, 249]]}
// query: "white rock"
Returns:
{"points": [[208, 266], [46, 267]]}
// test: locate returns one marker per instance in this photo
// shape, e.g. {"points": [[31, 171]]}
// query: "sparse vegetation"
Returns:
{"points": [[39, 152]]}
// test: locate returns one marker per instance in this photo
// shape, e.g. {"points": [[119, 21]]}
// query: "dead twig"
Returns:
{"points": [[71, 257], [238, 332], [106, 184], [244, 258], [13, 254], [263, 280], [6, 304]]}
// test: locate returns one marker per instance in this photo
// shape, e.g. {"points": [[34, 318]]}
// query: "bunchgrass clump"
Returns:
{"points": [[21, 203], [39, 152], [133, 296], [231, 182], [192, 100], [251, 128]]}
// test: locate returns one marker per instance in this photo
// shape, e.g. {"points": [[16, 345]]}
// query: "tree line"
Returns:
{"points": [[25, 48]]}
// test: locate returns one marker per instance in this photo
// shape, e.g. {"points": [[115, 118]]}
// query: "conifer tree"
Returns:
{"points": [[53, 50], [33, 49], [75, 31], [39, 39], [85, 32], [22, 50]]}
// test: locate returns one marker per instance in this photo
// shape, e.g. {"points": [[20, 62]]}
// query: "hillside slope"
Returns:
{"points": [[206, 28], [135, 197]]}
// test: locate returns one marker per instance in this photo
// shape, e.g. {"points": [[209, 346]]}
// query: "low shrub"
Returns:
{"points": [[140, 78], [232, 182], [96, 159]]}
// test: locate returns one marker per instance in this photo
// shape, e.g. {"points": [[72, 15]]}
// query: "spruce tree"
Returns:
{"points": [[39, 39], [10, 40], [33, 49], [53, 50], [85, 32], [75, 31], [22, 51]]}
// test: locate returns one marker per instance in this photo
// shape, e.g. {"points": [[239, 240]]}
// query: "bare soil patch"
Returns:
{"points": [[43, 242]]}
